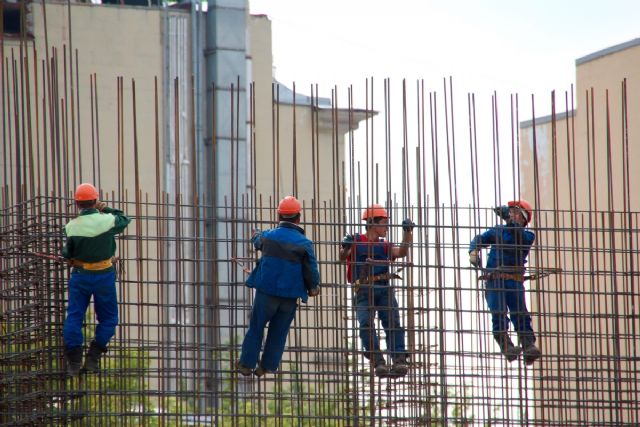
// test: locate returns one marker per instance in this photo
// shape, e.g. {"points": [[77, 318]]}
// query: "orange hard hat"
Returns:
{"points": [[525, 206], [374, 211], [86, 192], [289, 206]]}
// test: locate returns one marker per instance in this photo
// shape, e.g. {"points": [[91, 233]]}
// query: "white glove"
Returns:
{"points": [[474, 258]]}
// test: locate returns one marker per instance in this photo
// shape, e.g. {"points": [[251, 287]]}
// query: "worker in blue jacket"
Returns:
{"points": [[286, 272], [504, 289]]}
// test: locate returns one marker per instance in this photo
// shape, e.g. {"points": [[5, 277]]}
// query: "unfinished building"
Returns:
{"points": [[181, 125]]}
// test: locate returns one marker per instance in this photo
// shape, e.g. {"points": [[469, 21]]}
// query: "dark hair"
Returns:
{"points": [[288, 218], [86, 204]]}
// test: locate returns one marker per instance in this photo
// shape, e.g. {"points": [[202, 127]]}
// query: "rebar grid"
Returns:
{"points": [[158, 372], [181, 263]]}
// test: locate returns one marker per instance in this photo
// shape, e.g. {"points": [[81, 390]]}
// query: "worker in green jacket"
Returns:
{"points": [[90, 246]]}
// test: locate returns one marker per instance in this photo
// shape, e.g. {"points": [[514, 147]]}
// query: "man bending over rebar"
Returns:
{"points": [[90, 247], [504, 289], [287, 270], [368, 259]]}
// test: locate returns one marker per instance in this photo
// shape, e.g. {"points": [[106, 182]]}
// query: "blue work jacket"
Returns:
{"points": [[510, 245], [288, 266]]}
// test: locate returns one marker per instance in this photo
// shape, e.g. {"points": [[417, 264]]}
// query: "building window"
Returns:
{"points": [[13, 19]]}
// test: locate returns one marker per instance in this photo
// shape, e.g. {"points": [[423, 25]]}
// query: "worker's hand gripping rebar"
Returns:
{"points": [[407, 225], [502, 212], [474, 258], [347, 241]]}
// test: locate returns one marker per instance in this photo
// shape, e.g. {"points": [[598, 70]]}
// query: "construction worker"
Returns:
{"points": [[368, 259], [287, 270], [89, 248], [504, 289]]}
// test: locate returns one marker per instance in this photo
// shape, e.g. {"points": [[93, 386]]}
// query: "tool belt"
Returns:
{"points": [[92, 266], [503, 276], [373, 279]]}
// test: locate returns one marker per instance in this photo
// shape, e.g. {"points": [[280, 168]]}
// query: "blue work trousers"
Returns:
{"points": [[507, 296], [278, 312], [105, 302], [379, 299]]}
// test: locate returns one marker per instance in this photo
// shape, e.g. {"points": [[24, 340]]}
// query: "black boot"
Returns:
{"points": [[507, 348], [260, 371], [92, 359], [380, 365], [400, 365], [530, 352], [73, 360], [243, 370]]}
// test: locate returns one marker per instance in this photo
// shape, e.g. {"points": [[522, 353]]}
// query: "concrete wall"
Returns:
{"points": [[599, 87], [586, 164], [95, 139], [111, 42], [598, 132]]}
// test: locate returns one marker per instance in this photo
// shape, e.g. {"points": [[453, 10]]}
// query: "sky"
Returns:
{"points": [[506, 46]]}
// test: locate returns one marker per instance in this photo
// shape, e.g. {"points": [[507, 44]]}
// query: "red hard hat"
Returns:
{"points": [[525, 206], [86, 192], [289, 206], [374, 211]]}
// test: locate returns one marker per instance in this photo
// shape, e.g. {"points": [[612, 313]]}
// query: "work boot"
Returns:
{"points": [[400, 365], [530, 352], [73, 360], [92, 359], [380, 366], [243, 370], [260, 371], [507, 348]]}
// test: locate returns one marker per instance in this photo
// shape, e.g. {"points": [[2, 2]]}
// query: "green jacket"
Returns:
{"points": [[91, 235]]}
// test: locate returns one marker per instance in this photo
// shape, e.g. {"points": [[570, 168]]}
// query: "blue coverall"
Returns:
{"points": [[510, 245]]}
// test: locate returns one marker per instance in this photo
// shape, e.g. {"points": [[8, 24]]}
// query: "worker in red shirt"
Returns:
{"points": [[368, 259]]}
